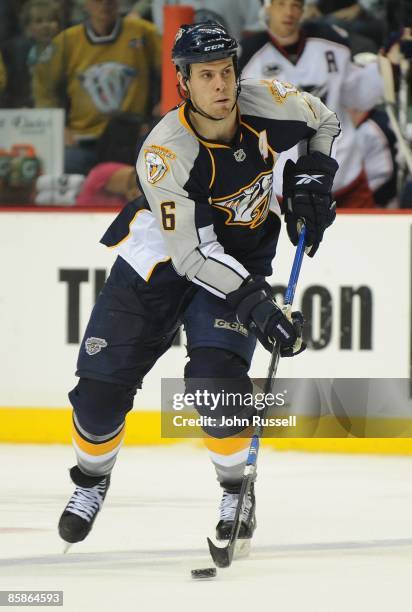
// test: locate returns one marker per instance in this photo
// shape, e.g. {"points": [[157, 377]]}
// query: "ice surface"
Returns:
{"points": [[334, 533]]}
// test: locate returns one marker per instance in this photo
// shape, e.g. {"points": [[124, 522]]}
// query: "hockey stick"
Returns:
{"points": [[223, 556]]}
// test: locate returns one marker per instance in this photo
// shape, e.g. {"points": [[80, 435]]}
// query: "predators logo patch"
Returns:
{"points": [[156, 162], [250, 205]]}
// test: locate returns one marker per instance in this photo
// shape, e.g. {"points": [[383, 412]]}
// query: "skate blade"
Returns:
{"points": [[242, 548], [66, 548]]}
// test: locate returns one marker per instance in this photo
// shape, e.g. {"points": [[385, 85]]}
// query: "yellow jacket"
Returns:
{"points": [[99, 75]]}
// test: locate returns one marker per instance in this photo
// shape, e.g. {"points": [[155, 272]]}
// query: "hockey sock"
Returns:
{"points": [[229, 456], [96, 455]]}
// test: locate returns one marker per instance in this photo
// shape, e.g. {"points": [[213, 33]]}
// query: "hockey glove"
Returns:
{"points": [[255, 307], [307, 195]]}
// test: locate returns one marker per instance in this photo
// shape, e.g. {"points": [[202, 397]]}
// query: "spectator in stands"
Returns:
{"points": [[109, 184], [40, 22], [105, 65], [316, 58], [238, 16]]}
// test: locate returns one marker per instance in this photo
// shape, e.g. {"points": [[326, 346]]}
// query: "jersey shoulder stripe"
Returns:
{"points": [[287, 115], [170, 148]]}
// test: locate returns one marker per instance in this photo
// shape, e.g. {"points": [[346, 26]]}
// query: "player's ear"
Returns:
{"points": [[181, 81], [182, 84]]}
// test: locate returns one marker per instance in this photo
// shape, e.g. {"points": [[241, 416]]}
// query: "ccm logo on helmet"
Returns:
{"points": [[214, 47]]}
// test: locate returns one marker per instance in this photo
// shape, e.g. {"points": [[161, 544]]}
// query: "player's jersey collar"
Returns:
{"points": [[284, 50], [185, 120]]}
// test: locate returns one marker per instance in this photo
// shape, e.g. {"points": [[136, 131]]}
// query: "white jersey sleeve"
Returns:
{"points": [[376, 153], [305, 116], [181, 206], [362, 88]]}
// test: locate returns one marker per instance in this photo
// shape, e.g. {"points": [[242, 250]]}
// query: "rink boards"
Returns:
{"points": [[356, 294]]}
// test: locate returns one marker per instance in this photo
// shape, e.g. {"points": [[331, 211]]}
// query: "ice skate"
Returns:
{"points": [[227, 510], [81, 511]]}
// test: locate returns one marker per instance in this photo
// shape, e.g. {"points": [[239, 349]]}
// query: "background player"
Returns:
{"points": [[378, 146], [316, 57], [194, 249]]}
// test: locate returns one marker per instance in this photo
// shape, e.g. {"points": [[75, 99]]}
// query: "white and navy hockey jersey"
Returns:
{"points": [[208, 214], [378, 144], [319, 63]]}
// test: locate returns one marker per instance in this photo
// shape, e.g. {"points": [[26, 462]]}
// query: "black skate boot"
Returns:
{"points": [[81, 511], [227, 509]]}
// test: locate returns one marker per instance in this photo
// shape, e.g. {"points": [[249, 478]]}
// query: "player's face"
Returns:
{"points": [[212, 87], [284, 17]]}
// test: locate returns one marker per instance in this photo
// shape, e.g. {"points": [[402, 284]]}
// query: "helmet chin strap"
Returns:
{"points": [[193, 108], [199, 111]]}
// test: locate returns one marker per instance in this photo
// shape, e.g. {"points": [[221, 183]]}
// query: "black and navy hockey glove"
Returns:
{"points": [[307, 196], [255, 307]]}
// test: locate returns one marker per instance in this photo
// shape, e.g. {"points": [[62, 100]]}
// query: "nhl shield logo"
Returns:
{"points": [[240, 155], [95, 345]]}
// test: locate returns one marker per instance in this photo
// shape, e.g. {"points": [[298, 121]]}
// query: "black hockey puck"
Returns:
{"points": [[199, 574]]}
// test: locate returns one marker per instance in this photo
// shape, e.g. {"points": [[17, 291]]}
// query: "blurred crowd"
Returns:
{"points": [[100, 61]]}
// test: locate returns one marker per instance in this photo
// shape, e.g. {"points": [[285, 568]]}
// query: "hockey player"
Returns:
{"points": [[378, 146], [316, 57], [196, 248]]}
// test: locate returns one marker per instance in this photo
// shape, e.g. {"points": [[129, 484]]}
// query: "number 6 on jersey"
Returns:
{"points": [[168, 215]]}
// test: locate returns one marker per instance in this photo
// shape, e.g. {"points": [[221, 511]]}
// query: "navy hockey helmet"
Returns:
{"points": [[202, 42]]}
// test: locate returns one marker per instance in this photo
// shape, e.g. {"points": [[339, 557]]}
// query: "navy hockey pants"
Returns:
{"points": [[131, 327]]}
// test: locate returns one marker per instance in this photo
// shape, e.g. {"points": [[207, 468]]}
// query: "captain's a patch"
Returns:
{"points": [[156, 159]]}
